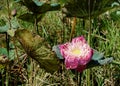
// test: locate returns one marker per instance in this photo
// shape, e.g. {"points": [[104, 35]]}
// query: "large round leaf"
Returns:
{"points": [[86, 8], [38, 7], [35, 48]]}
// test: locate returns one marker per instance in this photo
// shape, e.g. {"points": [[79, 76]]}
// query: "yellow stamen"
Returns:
{"points": [[76, 51]]}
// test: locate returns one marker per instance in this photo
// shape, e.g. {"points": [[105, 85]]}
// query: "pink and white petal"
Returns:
{"points": [[83, 62], [63, 48], [71, 63], [81, 68], [91, 53], [86, 59], [89, 56], [79, 39]]}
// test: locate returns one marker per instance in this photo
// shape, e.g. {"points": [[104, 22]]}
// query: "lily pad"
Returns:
{"points": [[6, 26], [38, 7], [97, 55], [84, 8], [57, 51], [98, 59], [29, 17]]}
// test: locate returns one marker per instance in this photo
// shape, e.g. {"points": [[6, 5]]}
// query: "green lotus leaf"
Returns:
{"points": [[97, 55], [94, 63], [36, 49], [57, 51], [84, 8], [4, 28], [38, 7], [2, 22], [14, 23], [98, 60], [29, 17], [17, 0], [3, 51]]}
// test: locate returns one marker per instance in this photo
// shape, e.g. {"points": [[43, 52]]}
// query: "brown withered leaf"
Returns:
{"points": [[36, 49]]}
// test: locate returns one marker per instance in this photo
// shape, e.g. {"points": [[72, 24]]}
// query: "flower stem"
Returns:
{"points": [[89, 42], [80, 79], [7, 43], [7, 77], [88, 77], [73, 28]]}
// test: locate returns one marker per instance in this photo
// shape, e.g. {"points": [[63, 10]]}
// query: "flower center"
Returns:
{"points": [[76, 51]]}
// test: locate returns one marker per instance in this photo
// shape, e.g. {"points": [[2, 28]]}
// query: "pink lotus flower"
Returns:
{"points": [[76, 53]]}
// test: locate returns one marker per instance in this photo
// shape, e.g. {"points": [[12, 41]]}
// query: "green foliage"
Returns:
{"points": [[2, 22], [115, 16], [38, 9], [97, 58], [105, 38], [6, 26], [3, 51], [29, 17], [84, 8], [14, 23], [97, 55], [57, 51], [36, 49]]}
